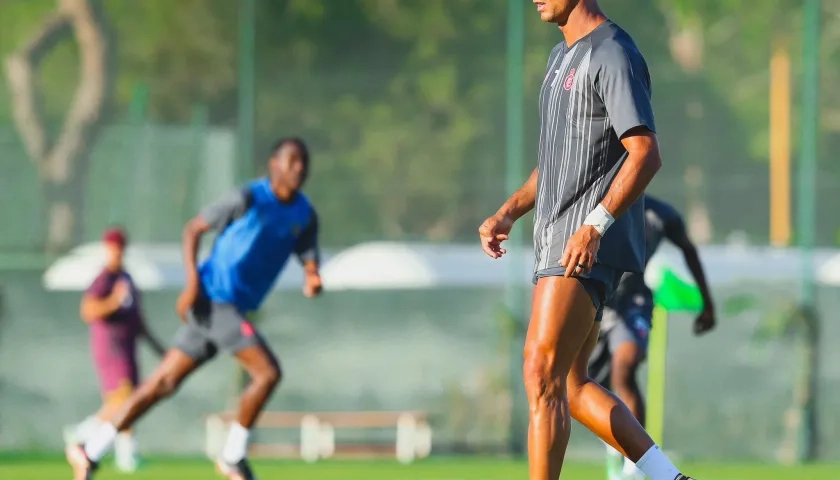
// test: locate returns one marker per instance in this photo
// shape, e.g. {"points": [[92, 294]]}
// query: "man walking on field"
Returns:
{"points": [[598, 152]]}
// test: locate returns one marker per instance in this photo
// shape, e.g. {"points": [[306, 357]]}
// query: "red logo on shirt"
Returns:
{"points": [[570, 80], [246, 329]]}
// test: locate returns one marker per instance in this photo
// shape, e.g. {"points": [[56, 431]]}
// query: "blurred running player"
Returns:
{"points": [[625, 327], [259, 227], [111, 307]]}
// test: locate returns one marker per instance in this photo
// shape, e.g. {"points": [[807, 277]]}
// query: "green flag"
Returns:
{"points": [[677, 295]]}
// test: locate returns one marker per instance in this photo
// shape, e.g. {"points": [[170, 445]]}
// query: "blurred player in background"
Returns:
{"points": [[259, 227], [111, 307], [625, 327]]}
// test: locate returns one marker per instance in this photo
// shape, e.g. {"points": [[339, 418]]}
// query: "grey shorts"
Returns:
{"points": [[600, 283], [212, 327], [632, 325]]}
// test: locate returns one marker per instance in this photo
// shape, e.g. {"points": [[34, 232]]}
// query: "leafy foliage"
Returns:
{"points": [[404, 101]]}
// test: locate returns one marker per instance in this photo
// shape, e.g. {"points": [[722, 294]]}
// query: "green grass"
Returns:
{"points": [[50, 467]]}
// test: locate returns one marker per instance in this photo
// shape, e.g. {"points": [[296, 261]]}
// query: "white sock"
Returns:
{"points": [[86, 428], [657, 466], [236, 446], [630, 469], [100, 442], [125, 445], [611, 452]]}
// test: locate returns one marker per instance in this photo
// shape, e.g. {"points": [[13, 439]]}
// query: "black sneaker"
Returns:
{"points": [[83, 467], [239, 471], [683, 477]]}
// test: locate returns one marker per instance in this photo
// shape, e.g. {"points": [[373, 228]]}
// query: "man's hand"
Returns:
{"points": [[312, 285], [493, 232], [187, 298], [121, 291], [581, 248], [704, 322]]}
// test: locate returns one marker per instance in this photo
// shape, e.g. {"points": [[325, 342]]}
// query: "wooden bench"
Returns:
{"points": [[413, 436]]}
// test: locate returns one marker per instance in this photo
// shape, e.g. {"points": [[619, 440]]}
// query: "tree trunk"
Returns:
{"points": [[62, 164]]}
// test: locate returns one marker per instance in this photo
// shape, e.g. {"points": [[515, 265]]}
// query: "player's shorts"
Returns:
{"points": [[632, 325], [211, 327], [600, 283], [116, 365]]}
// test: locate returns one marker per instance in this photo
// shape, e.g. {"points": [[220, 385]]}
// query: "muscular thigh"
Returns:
{"points": [[562, 314]]}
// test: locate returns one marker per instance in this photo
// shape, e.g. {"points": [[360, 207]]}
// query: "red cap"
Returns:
{"points": [[115, 235]]}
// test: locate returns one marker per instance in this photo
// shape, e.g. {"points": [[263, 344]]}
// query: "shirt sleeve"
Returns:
{"points": [[100, 288], [623, 83], [306, 247], [221, 213]]}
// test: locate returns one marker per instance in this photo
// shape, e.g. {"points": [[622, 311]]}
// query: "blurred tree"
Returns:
{"points": [[62, 163], [403, 101]]}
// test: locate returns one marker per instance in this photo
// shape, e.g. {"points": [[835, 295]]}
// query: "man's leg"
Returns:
{"points": [[607, 417], [235, 334], [264, 372], [173, 369], [600, 370], [628, 347], [125, 446], [562, 315]]}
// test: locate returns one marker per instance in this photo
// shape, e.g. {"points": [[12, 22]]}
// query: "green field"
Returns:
{"points": [[43, 468]]}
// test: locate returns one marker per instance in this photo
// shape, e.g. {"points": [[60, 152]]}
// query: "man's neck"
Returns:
{"points": [[285, 195], [584, 18]]}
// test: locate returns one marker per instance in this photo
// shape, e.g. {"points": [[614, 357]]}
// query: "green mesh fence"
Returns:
{"points": [[403, 105]]}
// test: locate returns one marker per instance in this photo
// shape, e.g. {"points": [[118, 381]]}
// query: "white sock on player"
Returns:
{"points": [[630, 470], [236, 446], [100, 442], [656, 465], [86, 428], [125, 451], [611, 452]]}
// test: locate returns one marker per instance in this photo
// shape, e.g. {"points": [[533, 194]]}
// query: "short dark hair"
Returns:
{"points": [[296, 141]]}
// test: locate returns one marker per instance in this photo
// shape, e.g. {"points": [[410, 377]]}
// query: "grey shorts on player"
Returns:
{"points": [[632, 325], [600, 283], [212, 327]]}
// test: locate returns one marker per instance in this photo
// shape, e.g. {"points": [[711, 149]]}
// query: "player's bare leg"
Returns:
{"points": [[623, 378], [264, 371], [624, 383], [125, 447], [173, 369], [607, 417], [561, 317], [601, 411]]}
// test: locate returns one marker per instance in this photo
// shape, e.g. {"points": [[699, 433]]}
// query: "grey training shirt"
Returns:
{"points": [[594, 92]]}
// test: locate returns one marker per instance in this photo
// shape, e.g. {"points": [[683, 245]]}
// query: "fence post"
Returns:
{"points": [[246, 87], [806, 203], [513, 180]]}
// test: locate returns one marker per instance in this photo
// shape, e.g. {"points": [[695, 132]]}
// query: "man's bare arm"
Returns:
{"points": [[643, 161], [680, 238], [93, 308], [311, 267], [522, 201], [190, 241]]}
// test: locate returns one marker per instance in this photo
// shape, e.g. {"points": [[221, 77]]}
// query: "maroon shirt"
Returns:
{"points": [[115, 336]]}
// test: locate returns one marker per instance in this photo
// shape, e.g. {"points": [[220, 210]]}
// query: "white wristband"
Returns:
{"points": [[600, 219]]}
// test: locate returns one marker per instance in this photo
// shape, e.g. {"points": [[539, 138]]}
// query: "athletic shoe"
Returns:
{"points": [[239, 471], [683, 477], [83, 467]]}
